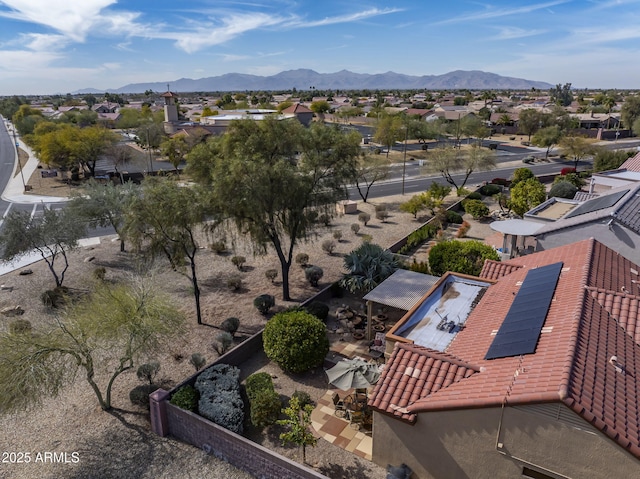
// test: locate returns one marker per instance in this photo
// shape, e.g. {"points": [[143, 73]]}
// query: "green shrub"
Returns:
{"points": [[337, 235], [222, 342], [355, 227], [476, 208], [271, 274], [318, 309], [419, 266], [313, 274], [239, 261], [382, 215], [230, 325], [303, 398], [521, 174], [563, 189], [234, 283], [258, 382], [302, 259], [474, 196], [198, 361], [218, 247], [296, 341], [265, 408], [55, 298], [364, 218], [460, 256], [453, 217], [139, 396], [220, 399], [490, 190], [366, 238], [186, 398], [381, 207], [20, 326], [438, 191], [419, 236], [148, 371], [99, 273], [264, 303]]}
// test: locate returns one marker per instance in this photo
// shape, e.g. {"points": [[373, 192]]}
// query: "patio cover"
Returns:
{"points": [[516, 227], [402, 290]]}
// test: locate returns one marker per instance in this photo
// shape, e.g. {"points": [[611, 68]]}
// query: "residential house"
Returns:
{"points": [[536, 379]]}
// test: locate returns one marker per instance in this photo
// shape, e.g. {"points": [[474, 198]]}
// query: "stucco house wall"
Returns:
{"points": [[491, 443]]}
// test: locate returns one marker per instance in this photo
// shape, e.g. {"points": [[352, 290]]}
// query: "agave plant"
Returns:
{"points": [[367, 266]]}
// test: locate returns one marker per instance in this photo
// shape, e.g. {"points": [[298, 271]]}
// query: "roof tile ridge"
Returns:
{"points": [[623, 294], [443, 356], [563, 390]]}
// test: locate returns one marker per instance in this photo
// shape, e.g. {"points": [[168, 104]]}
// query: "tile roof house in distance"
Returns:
{"points": [[566, 407]]}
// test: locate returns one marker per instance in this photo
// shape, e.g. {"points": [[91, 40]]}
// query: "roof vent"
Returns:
{"points": [[619, 367]]}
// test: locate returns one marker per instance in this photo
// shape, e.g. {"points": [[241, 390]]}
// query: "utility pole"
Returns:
{"points": [[404, 159]]}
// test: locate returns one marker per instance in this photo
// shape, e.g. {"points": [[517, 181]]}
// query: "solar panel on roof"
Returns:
{"points": [[521, 327], [597, 204]]}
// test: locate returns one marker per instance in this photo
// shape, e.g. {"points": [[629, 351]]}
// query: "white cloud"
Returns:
{"points": [[347, 18], [43, 42], [510, 33], [497, 13]]}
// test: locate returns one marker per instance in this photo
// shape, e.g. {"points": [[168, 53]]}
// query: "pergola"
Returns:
{"points": [[513, 230], [402, 290]]}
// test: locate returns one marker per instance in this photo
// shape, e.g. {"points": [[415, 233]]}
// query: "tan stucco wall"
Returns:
{"points": [[462, 444]]}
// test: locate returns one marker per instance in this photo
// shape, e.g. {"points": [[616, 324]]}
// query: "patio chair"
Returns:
{"points": [[379, 343], [356, 418], [339, 406]]}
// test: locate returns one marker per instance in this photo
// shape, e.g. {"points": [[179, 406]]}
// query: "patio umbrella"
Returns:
{"points": [[353, 373]]}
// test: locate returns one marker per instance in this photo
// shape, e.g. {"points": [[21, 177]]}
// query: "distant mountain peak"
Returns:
{"points": [[303, 79]]}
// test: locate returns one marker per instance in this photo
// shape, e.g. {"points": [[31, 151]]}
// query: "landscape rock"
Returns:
{"points": [[25, 272], [89, 259], [12, 311]]}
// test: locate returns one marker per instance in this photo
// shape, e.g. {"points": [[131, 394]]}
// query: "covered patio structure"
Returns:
{"points": [[402, 290], [515, 233]]}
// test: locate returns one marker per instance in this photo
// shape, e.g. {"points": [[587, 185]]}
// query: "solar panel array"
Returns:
{"points": [[596, 204], [520, 329]]}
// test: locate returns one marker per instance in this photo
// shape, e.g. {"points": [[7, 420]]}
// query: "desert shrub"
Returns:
{"points": [[364, 218], [563, 189], [218, 247], [318, 309], [419, 266], [271, 274], [99, 273], [476, 208], [20, 326], [303, 398], [222, 342], [55, 298], [381, 207], [296, 341], [220, 400], [453, 217], [265, 408], [313, 274], [474, 196], [328, 246], [490, 190], [148, 371], [566, 170], [238, 261], [463, 229], [462, 192], [367, 266], [230, 325], [337, 235], [418, 237], [198, 361], [325, 219], [186, 398], [460, 256], [438, 191], [258, 382], [382, 215], [264, 303], [521, 174], [139, 396], [366, 238], [302, 259], [234, 283], [573, 178], [355, 227]]}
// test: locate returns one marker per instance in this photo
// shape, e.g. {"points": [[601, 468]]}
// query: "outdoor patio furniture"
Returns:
{"points": [[356, 419], [339, 406]]}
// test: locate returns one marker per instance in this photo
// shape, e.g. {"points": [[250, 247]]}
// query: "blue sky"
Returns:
{"points": [[59, 46]]}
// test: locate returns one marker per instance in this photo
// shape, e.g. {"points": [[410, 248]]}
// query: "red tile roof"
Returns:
{"points": [[413, 372], [632, 164], [571, 363], [297, 108], [497, 269]]}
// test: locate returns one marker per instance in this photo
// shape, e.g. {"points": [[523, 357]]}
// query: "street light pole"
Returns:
{"points": [[404, 158]]}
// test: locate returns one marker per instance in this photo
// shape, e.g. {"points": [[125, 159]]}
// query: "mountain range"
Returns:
{"points": [[304, 79]]}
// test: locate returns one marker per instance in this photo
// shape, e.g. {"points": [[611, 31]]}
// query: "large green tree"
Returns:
{"points": [[530, 120], [273, 178], [167, 218], [527, 194], [50, 236], [389, 130], [103, 336], [630, 110], [450, 161], [576, 148], [547, 137]]}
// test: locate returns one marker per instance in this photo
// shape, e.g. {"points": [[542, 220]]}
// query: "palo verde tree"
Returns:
{"points": [[104, 205], [368, 170], [274, 178], [103, 336], [576, 148], [547, 137], [449, 161], [166, 218], [389, 130], [51, 236]]}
